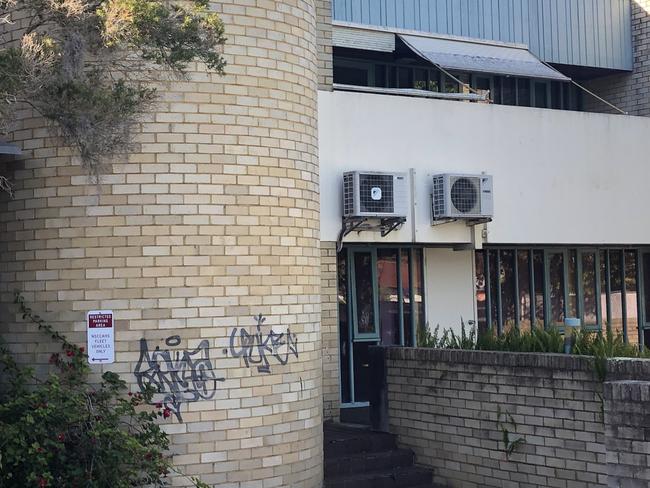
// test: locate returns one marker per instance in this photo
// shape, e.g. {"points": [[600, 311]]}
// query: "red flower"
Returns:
{"points": [[54, 358], [130, 394], [69, 353], [82, 349], [158, 405], [42, 483], [61, 437], [167, 412]]}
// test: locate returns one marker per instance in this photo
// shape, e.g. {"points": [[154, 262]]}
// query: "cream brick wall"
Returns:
{"points": [[330, 332], [213, 220], [324, 41]]}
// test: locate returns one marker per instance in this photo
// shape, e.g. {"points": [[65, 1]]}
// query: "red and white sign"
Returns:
{"points": [[101, 337]]}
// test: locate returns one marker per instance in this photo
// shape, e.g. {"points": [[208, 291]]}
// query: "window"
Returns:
{"points": [[404, 77], [517, 287], [505, 90], [508, 91], [523, 92], [523, 295], [420, 78], [542, 94], [351, 75], [450, 85]]}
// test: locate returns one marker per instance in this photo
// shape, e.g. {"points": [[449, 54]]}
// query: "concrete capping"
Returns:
{"points": [[628, 369], [627, 391], [617, 368]]}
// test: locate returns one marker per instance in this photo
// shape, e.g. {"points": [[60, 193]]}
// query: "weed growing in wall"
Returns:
{"points": [[506, 425]]}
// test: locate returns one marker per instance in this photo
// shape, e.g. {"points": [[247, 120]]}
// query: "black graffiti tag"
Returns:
{"points": [[257, 348], [179, 376]]}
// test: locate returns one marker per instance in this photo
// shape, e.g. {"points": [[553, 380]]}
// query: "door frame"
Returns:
{"points": [[353, 335]]}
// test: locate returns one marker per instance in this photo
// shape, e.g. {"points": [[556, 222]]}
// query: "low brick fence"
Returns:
{"points": [[462, 411]]}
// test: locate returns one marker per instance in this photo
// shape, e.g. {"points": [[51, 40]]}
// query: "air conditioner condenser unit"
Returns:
{"points": [[375, 194], [462, 196]]}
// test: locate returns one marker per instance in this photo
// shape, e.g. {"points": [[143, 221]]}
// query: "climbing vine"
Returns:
{"points": [[62, 430]]}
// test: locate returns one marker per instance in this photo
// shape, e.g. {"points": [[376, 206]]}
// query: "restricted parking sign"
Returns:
{"points": [[101, 337]]}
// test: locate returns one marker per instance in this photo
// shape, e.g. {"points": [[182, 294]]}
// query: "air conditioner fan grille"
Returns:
{"points": [[465, 195]]}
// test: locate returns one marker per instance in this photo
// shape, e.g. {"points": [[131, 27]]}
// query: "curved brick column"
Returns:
{"points": [[213, 221]]}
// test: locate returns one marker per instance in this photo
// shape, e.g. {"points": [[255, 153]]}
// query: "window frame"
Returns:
{"points": [[603, 322]]}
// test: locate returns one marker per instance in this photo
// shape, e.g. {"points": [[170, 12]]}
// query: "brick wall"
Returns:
{"points": [[445, 406], [631, 91], [212, 220], [324, 41], [627, 438], [330, 332]]}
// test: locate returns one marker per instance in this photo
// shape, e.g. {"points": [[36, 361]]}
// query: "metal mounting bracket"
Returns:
{"points": [[385, 225]]}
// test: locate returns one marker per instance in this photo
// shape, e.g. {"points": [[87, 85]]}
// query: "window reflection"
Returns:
{"points": [[523, 299], [481, 292], [604, 289], [598, 286], [616, 291], [556, 287], [344, 326], [538, 269], [417, 293], [631, 308], [589, 302], [360, 70], [572, 295], [389, 319], [364, 290], [493, 277], [406, 297], [507, 277]]}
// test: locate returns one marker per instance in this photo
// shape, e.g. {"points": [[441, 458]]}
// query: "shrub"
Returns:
{"points": [[63, 431], [551, 340]]}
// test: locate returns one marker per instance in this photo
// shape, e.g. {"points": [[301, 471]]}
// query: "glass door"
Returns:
{"points": [[380, 296], [364, 326]]}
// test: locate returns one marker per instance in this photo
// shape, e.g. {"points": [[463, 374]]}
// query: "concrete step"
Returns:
{"points": [[367, 462], [342, 441], [405, 477]]}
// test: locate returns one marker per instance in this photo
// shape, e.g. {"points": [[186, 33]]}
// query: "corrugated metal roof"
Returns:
{"points": [[468, 55], [593, 33], [363, 39], [6, 148]]}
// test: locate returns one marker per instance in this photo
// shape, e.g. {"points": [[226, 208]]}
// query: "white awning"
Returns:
{"points": [[475, 56]]}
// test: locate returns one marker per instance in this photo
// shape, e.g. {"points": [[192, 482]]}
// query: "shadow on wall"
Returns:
{"points": [[629, 91]]}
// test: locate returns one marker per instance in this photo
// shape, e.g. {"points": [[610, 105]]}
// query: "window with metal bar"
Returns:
{"points": [[604, 288]]}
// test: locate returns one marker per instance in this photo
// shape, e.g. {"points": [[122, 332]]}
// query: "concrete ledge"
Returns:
{"points": [[617, 368], [492, 358], [627, 391]]}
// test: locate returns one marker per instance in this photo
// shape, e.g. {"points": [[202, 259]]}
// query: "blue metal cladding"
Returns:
{"points": [[594, 33]]}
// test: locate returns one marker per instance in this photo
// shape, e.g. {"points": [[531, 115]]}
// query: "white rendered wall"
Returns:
{"points": [[449, 288], [559, 177]]}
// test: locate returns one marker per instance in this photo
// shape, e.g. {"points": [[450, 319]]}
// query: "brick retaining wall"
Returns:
{"points": [[444, 404]]}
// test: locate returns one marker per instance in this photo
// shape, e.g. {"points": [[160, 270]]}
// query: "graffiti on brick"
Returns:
{"points": [[178, 375], [261, 348]]}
